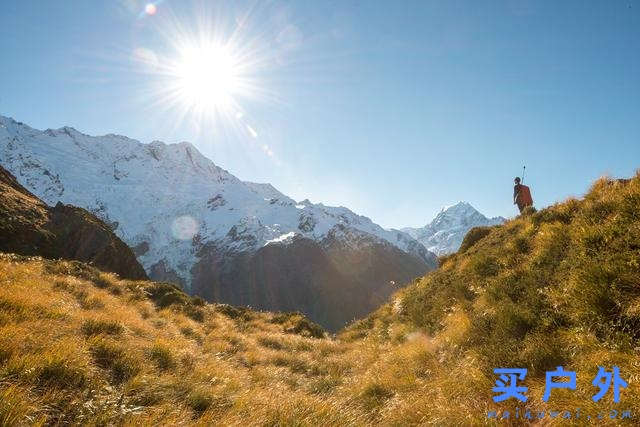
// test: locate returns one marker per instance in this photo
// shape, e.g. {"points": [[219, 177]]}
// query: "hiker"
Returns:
{"points": [[521, 195]]}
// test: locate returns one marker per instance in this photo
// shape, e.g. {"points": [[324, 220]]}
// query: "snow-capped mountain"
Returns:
{"points": [[177, 209], [444, 234]]}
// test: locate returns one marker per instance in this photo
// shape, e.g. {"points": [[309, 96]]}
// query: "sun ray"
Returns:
{"points": [[209, 68]]}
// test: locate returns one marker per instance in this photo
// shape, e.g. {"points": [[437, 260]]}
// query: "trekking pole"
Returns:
{"points": [[523, 169]]}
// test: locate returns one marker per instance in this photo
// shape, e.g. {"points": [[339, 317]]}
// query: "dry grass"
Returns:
{"points": [[148, 354], [558, 286]]}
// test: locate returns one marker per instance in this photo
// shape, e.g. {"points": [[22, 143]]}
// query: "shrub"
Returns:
{"points": [[188, 332], [232, 312], [91, 303], [555, 287], [234, 345], [167, 294], [5, 353], [199, 402], [552, 214], [520, 245], [79, 270], [514, 321], [280, 318], [136, 290], [473, 236], [145, 391], [198, 301], [195, 313], [306, 328], [115, 290], [442, 259], [303, 346], [14, 310], [597, 211], [543, 352], [593, 299]]}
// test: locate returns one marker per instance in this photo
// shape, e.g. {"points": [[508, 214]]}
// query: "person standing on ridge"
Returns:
{"points": [[521, 195]]}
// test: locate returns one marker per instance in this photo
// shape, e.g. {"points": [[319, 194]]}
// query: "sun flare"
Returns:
{"points": [[208, 70], [207, 77]]}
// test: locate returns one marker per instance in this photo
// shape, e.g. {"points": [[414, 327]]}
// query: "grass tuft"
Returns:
{"points": [[92, 327], [162, 356], [111, 356], [14, 407]]}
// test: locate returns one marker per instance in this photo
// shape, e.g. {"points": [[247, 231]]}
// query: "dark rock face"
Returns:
{"points": [[216, 202], [161, 272], [329, 282], [307, 223], [30, 227], [141, 248]]}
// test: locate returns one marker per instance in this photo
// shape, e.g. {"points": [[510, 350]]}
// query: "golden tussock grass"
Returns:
{"points": [[560, 286]]}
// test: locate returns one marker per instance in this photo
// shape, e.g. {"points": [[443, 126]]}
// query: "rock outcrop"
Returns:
{"points": [[30, 227]]}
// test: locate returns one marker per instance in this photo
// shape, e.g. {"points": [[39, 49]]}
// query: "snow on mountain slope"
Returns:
{"points": [[167, 200], [444, 234]]}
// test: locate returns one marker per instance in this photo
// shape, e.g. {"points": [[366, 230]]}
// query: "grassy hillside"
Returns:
{"points": [[556, 287]]}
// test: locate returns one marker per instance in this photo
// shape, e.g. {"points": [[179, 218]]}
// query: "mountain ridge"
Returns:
{"points": [[556, 287], [444, 234], [175, 208], [175, 156]]}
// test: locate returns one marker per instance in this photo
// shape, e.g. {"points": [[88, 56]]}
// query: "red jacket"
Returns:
{"points": [[522, 195]]}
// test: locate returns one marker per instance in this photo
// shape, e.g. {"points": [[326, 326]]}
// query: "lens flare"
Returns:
{"points": [[184, 227], [150, 9]]}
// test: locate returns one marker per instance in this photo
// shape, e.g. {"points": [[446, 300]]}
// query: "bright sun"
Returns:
{"points": [[207, 77]]}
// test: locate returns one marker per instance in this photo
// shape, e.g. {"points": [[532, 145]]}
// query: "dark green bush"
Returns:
{"points": [[473, 236], [167, 294]]}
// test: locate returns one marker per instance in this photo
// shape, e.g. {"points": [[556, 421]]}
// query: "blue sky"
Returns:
{"points": [[392, 109]]}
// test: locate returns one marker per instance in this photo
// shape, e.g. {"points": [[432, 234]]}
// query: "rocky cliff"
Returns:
{"points": [[30, 227]]}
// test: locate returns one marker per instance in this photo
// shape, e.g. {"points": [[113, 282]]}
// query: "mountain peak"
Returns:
{"points": [[460, 207], [13, 125], [5, 119], [445, 233], [183, 201]]}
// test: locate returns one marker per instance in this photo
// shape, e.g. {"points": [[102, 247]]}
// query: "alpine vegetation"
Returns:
{"points": [[194, 224], [549, 291]]}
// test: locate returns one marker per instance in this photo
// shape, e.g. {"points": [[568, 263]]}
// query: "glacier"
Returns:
{"points": [[167, 201]]}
